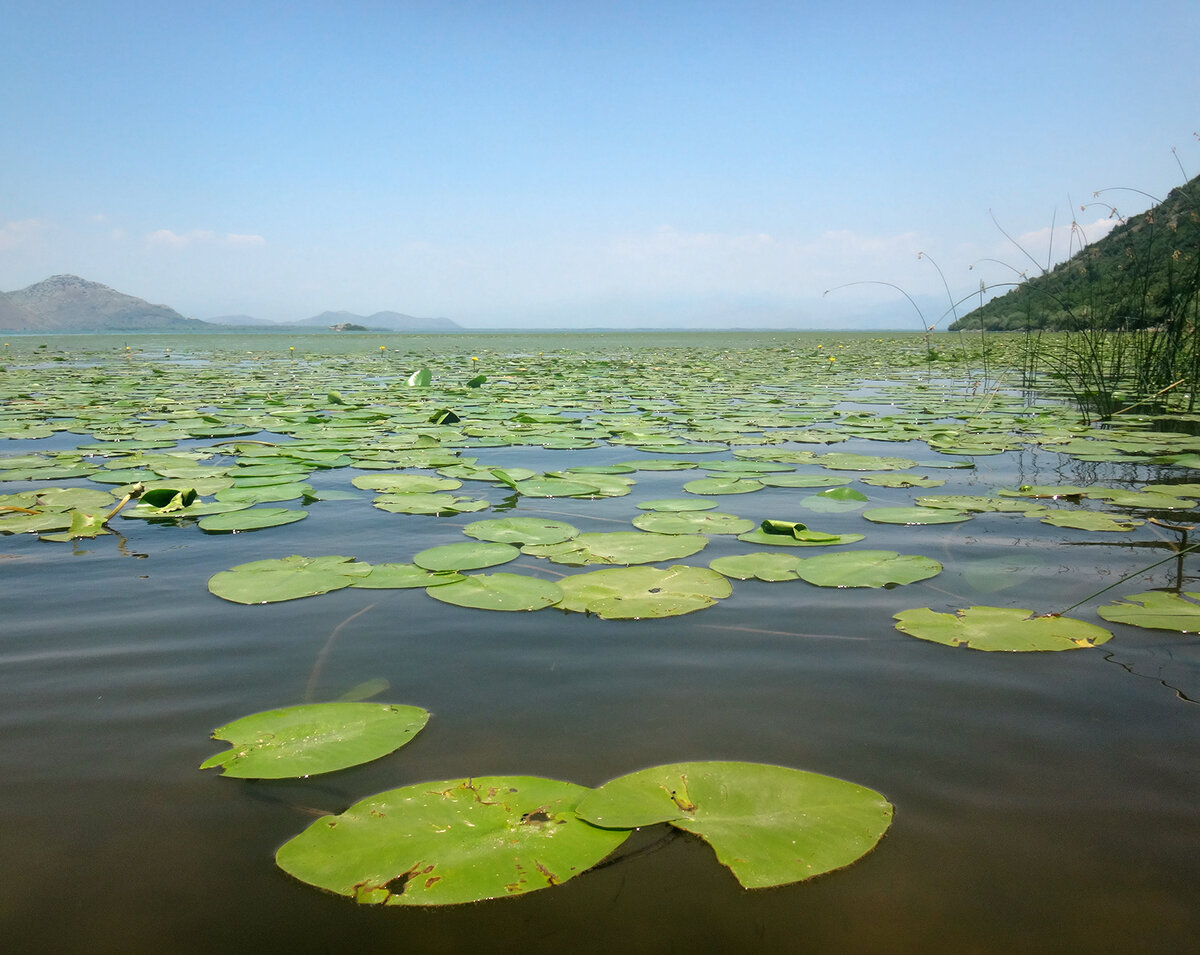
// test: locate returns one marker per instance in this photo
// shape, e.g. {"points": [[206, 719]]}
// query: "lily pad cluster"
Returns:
{"points": [[465, 840]]}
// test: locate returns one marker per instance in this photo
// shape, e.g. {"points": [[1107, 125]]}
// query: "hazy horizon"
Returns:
{"points": [[528, 165]]}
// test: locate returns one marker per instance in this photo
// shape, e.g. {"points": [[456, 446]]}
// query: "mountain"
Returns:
{"points": [[1143, 274], [388, 321], [67, 303]]}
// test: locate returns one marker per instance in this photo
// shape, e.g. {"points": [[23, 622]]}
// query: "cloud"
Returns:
{"points": [[14, 235], [165, 238]]}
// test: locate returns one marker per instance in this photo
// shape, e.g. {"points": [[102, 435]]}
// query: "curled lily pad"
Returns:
{"points": [[299, 741], [467, 555], [499, 592], [521, 530], [761, 565], [1000, 628], [794, 534], [451, 841], [770, 825], [1156, 610], [632, 593], [868, 568], [691, 522], [288, 578]]}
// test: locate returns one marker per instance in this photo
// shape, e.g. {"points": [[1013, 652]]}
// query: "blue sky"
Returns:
{"points": [[578, 164]]}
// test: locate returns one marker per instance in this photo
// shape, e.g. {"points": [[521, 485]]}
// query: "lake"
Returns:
{"points": [[1044, 802]]}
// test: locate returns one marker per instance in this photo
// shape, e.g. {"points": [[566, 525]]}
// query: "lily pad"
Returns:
{"points": [[632, 593], [1090, 521], [288, 578], [452, 841], [499, 592], [299, 741], [692, 522], [467, 555], [914, 515], [619, 547], [769, 824], [678, 504], [794, 534], [761, 565], [868, 568], [250, 519], [403, 576], [521, 530], [433, 504], [1000, 628], [1156, 610]]}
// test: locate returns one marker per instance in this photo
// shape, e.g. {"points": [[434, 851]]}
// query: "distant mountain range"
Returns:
{"points": [[67, 303]]}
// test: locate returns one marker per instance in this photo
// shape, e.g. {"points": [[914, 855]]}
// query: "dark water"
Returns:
{"points": [[1044, 802]]}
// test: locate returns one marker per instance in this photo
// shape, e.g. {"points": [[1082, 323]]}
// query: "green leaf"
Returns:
{"points": [[452, 841], [403, 576], [867, 568], [761, 565], [1090, 521], [769, 824], [521, 530], [422, 378], [251, 519], [691, 522], [288, 578], [466, 555], [391, 483], [632, 593], [299, 741], [914, 515], [678, 504], [499, 592], [999, 628], [1156, 610], [619, 547]]}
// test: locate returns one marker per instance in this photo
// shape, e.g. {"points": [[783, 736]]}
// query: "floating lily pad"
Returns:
{"points": [[288, 578], [1156, 610], [722, 485], [402, 576], [803, 480], [678, 504], [1090, 521], [761, 565], [868, 568], [900, 480], [499, 592], [692, 522], [769, 824], [846, 461], [299, 741], [405, 483], [1000, 628], [794, 534], [434, 505], [467, 555], [835, 500], [631, 593], [619, 547], [452, 841], [521, 530], [250, 519], [914, 515]]}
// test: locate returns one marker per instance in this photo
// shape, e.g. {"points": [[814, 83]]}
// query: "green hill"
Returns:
{"points": [[1144, 274]]}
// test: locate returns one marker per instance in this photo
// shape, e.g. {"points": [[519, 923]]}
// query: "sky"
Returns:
{"points": [[571, 164]]}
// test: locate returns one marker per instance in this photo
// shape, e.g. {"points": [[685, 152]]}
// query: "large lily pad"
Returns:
{"points": [[867, 568], [452, 841], [521, 530], [466, 555], [288, 578], [1156, 610], [794, 534], [691, 522], [769, 824], [403, 576], [1000, 628], [499, 592], [761, 565], [634, 593], [299, 741], [250, 519], [619, 547], [914, 515]]}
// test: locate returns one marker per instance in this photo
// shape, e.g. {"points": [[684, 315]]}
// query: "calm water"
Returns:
{"points": [[1044, 802]]}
